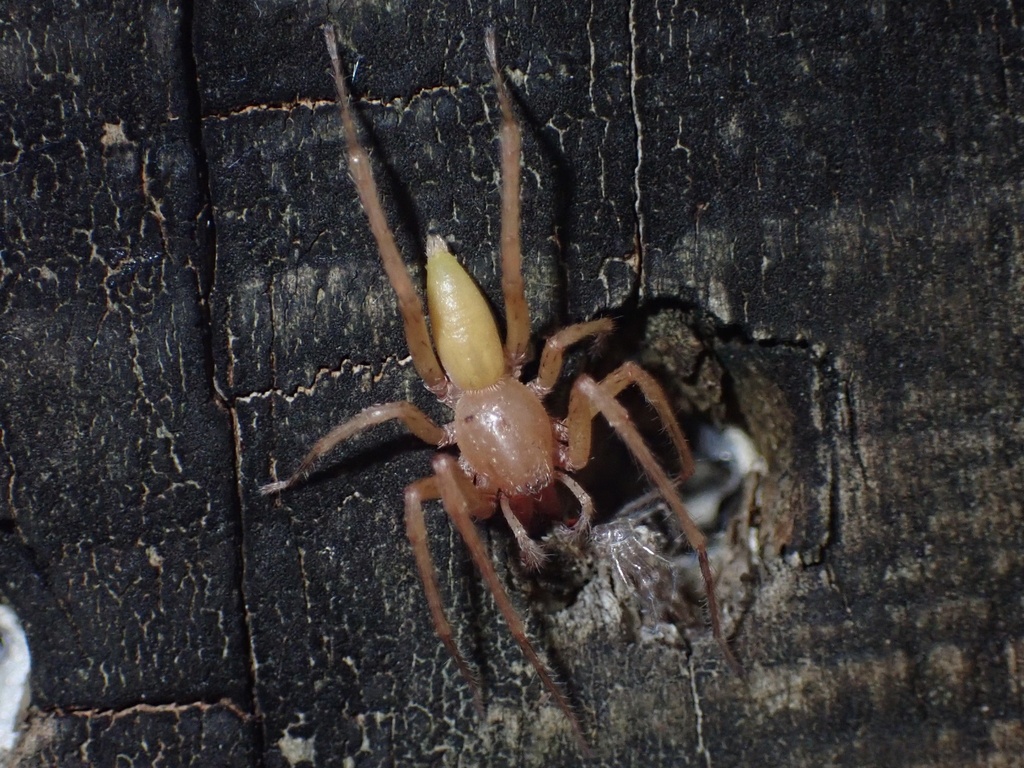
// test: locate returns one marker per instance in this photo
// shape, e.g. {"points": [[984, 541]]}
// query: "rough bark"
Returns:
{"points": [[809, 223]]}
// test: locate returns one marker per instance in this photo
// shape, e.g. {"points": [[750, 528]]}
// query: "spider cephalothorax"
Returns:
{"points": [[512, 451]]}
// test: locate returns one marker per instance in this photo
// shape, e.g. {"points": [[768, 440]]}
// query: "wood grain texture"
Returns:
{"points": [[808, 221]]}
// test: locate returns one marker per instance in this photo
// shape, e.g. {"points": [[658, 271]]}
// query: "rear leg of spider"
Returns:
{"points": [[410, 305], [517, 313]]}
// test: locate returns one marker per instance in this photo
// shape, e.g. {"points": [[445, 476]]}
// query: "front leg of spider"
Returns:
{"points": [[589, 398]]}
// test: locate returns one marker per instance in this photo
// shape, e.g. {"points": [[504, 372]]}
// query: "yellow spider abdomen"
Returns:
{"points": [[465, 333]]}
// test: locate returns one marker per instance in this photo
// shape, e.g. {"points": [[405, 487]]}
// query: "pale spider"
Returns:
{"points": [[512, 452]]}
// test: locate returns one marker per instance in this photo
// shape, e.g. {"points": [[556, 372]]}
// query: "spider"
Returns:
{"points": [[512, 452]]}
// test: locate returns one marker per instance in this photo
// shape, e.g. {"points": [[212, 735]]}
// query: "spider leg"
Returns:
{"points": [[589, 398], [409, 304], [517, 313], [554, 350], [630, 373], [457, 493], [415, 421], [415, 495]]}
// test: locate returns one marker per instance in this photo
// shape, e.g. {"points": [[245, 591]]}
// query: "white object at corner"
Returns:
{"points": [[15, 663]]}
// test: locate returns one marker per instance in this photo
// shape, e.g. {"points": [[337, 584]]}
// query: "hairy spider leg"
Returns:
{"points": [[416, 529], [460, 500], [554, 350], [417, 336], [415, 420], [630, 373], [517, 313], [586, 400]]}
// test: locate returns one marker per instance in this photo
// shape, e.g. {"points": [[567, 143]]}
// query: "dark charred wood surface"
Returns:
{"points": [[810, 217]]}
